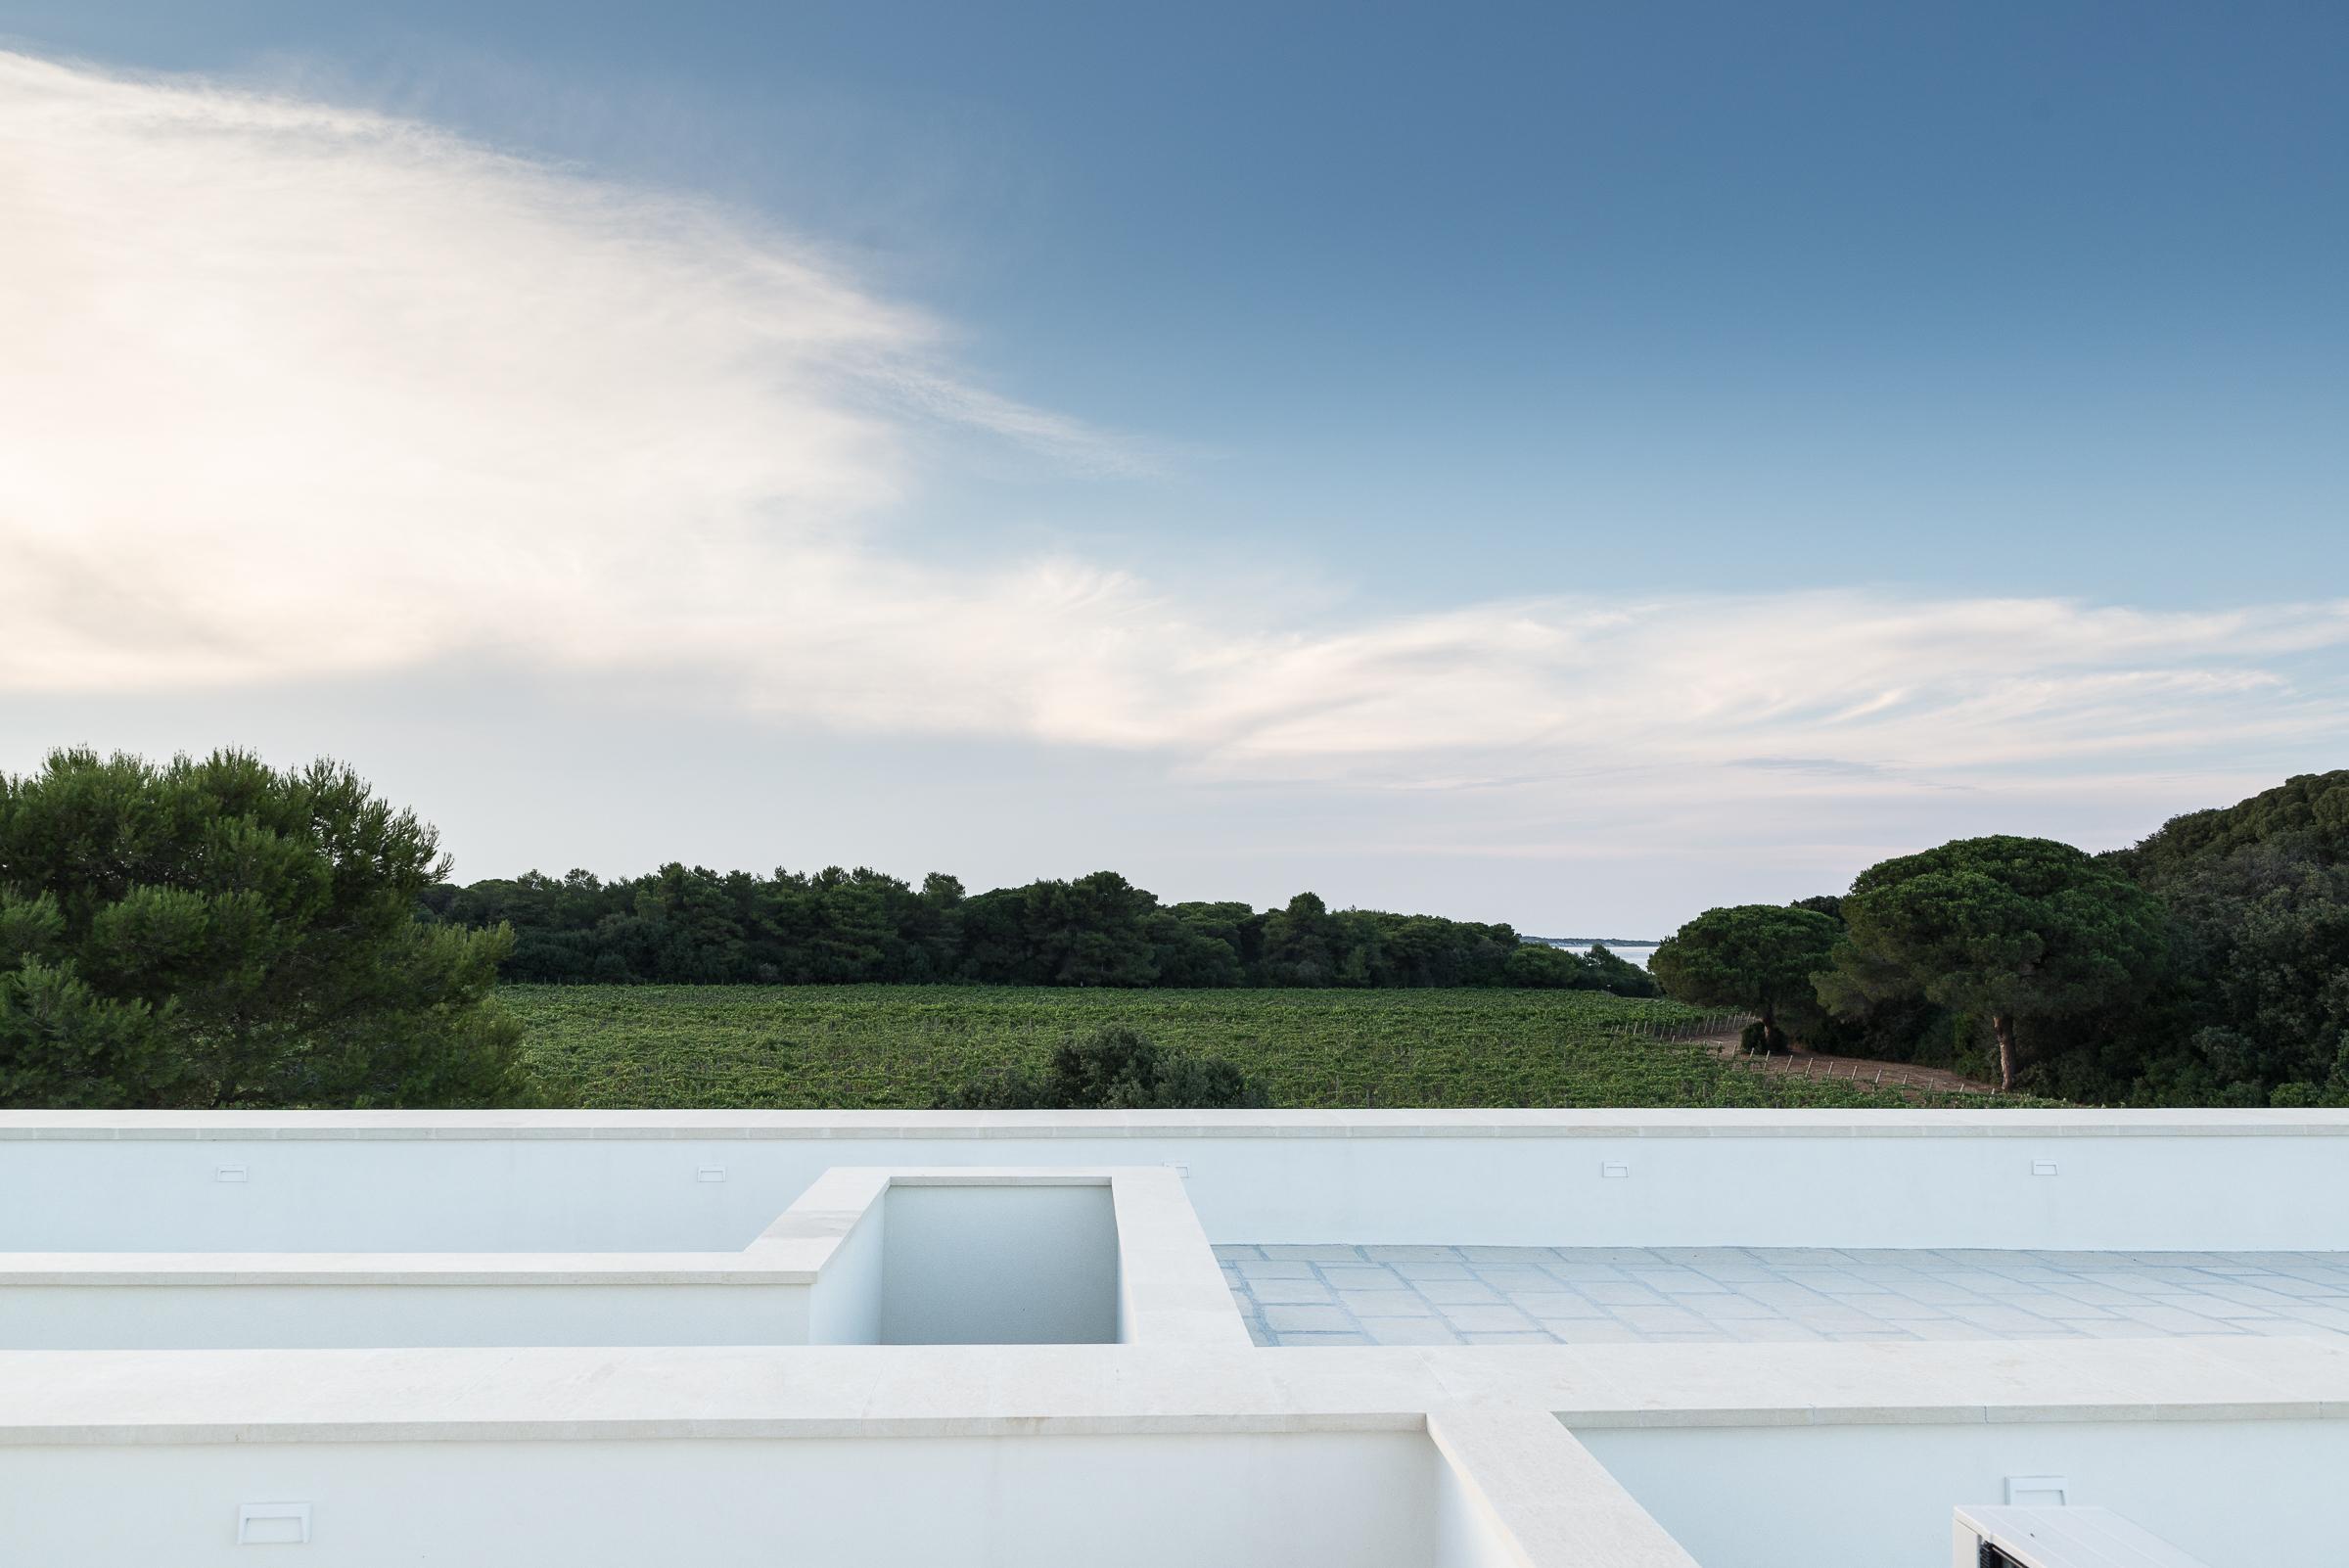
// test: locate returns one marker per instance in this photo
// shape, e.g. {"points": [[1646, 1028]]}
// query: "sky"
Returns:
{"points": [[1574, 465]]}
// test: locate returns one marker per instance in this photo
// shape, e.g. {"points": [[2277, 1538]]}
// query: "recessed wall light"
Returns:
{"points": [[2038, 1490], [273, 1524]]}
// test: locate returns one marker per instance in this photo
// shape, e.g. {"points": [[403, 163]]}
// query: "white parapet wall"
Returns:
{"points": [[1347, 1500], [709, 1181], [2232, 1493], [1595, 1456], [842, 1457]]}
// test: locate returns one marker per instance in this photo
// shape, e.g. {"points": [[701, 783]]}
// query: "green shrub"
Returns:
{"points": [[1113, 1069]]}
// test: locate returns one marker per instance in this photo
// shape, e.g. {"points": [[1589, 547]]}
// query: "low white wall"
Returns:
{"points": [[653, 1181], [844, 1305], [962, 1255], [1518, 1491], [999, 1266], [311, 1317], [2234, 1494], [1466, 1533], [1344, 1499]]}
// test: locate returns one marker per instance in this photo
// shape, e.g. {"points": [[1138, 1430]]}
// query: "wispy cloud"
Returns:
{"points": [[292, 391]]}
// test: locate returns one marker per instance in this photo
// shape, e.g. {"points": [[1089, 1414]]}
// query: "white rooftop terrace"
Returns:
{"points": [[595, 1339]]}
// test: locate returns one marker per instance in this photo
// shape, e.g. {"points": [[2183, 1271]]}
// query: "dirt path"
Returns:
{"points": [[1861, 1069]]}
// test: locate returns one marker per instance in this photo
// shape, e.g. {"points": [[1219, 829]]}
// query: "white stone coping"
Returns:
{"points": [[474, 1126], [1548, 1496], [1172, 1287], [2067, 1533], [109, 1398]]}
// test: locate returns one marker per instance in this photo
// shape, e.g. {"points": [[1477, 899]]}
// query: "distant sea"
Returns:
{"points": [[1637, 953]]}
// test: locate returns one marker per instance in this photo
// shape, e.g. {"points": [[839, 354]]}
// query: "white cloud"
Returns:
{"points": [[291, 392]]}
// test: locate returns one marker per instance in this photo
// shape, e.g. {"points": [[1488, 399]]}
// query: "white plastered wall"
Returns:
{"points": [[1358, 1499], [650, 1181], [2235, 1493]]}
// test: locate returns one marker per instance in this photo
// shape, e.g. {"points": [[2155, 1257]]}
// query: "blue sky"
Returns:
{"points": [[1350, 337]]}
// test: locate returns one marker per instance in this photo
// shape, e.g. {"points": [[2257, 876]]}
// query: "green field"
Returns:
{"points": [[902, 1046]]}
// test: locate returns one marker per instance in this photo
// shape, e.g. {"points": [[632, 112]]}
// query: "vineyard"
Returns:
{"points": [[902, 1046]]}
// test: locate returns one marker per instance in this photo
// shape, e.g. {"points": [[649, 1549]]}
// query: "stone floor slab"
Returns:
{"points": [[1297, 1295]]}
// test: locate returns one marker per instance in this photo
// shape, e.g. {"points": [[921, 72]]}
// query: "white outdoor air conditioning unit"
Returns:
{"points": [[2057, 1538]]}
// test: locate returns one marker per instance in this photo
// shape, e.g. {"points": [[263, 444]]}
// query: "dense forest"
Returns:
{"points": [[686, 925], [2207, 965]]}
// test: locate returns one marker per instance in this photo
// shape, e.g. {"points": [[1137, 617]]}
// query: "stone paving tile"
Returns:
{"points": [[1706, 1258], [1556, 1303], [1738, 1275], [1733, 1309], [1936, 1291], [1295, 1295], [1291, 1319], [1413, 1331], [2002, 1320], [1367, 1304], [2108, 1329], [2163, 1319], [1772, 1330], [1670, 1281], [2097, 1295], [1515, 1276], [1827, 1280], [1292, 1341], [1886, 1307], [1487, 1320], [1347, 1277], [1789, 1297], [1626, 1294], [2249, 1295], [2110, 1278], [1289, 1292], [2221, 1309], [1660, 1320], [1605, 1331], [1449, 1291]]}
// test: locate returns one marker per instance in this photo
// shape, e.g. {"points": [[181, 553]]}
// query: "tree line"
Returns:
{"points": [[220, 933], [693, 926], [2207, 965]]}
